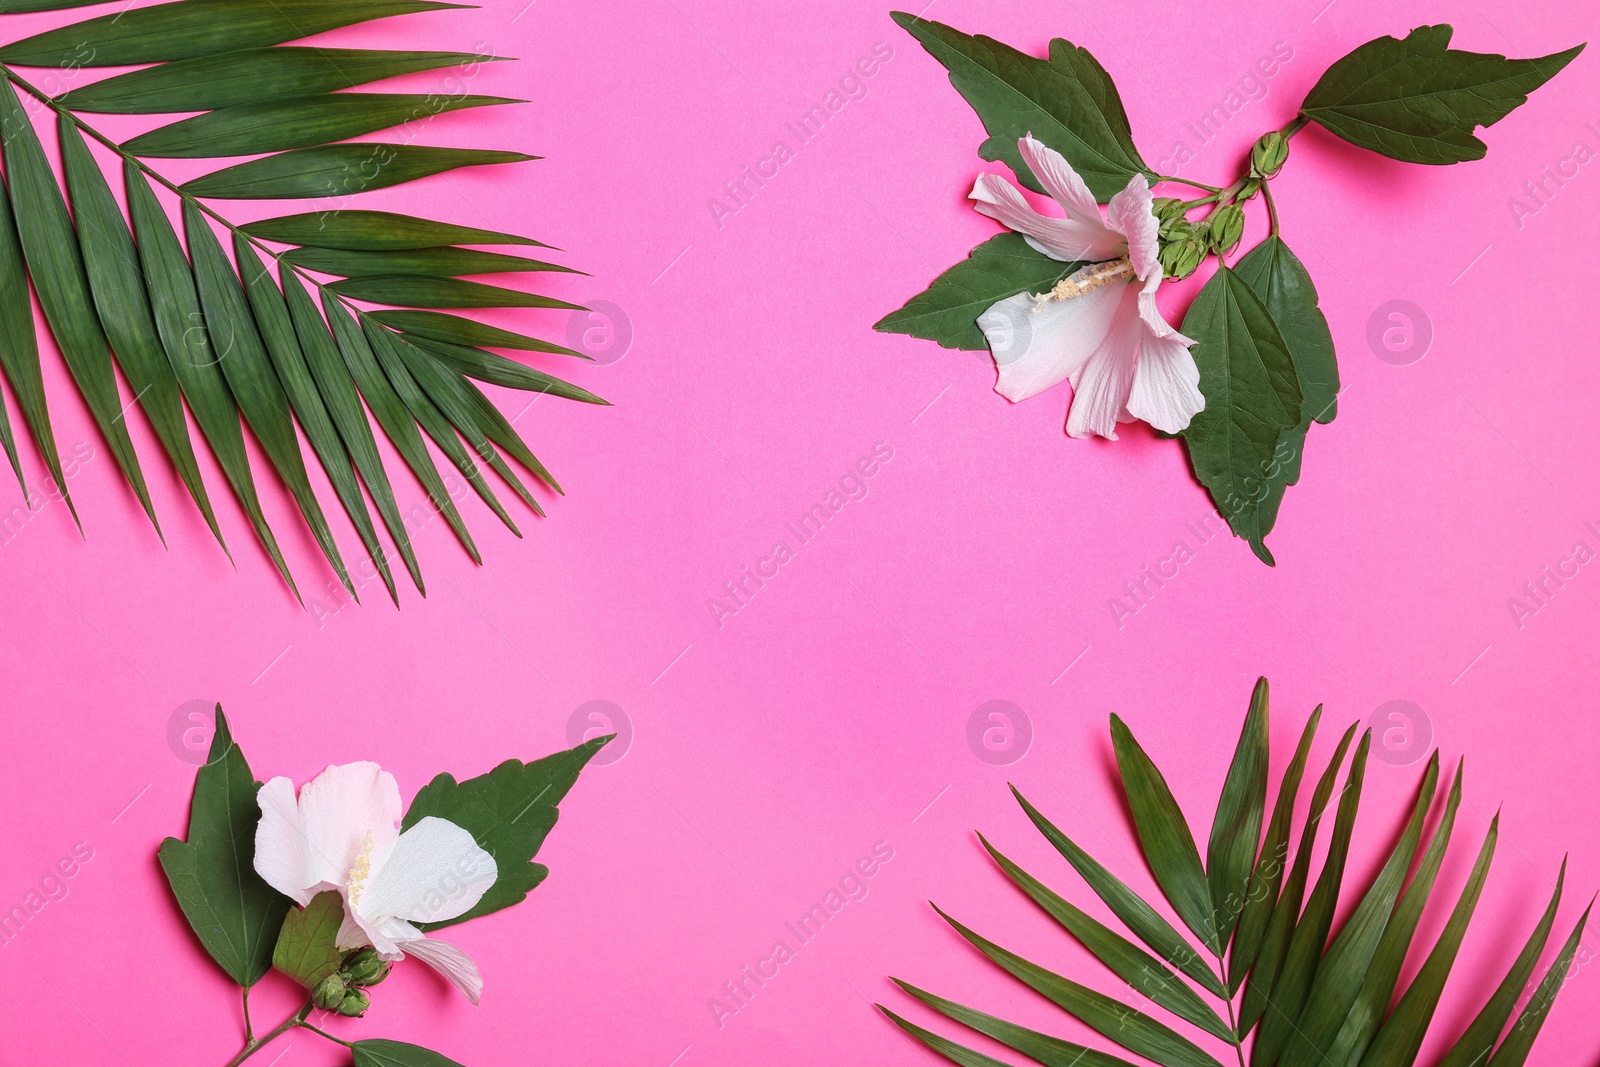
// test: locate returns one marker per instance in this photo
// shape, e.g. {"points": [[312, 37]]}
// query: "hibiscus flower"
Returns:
{"points": [[1099, 328], [342, 834]]}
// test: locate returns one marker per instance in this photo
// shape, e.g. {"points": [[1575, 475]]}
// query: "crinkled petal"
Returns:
{"points": [[450, 961], [1100, 388], [1065, 239], [1154, 321], [1131, 212], [1166, 385], [348, 810], [1039, 342], [436, 871], [281, 858], [1060, 180]]}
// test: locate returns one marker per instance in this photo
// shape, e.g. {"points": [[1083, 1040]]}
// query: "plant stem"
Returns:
{"points": [[1186, 181], [58, 108], [324, 1033], [249, 1035], [1295, 125], [254, 1045], [1272, 209]]}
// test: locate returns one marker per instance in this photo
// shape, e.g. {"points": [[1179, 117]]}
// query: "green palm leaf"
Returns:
{"points": [[1319, 1002], [207, 327]]}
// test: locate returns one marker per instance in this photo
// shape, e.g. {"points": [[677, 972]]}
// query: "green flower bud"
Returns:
{"points": [[329, 994], [355, 1003], [1225, 227], [1182, 258], [1251, 188], [1167, 209], [1269, 154], [364, 968], [1179, 229]]}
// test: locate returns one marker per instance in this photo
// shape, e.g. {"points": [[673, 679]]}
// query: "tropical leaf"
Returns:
{"points": [[268, 328], [1319, 1002]]}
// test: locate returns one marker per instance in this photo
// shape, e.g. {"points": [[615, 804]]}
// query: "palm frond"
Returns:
{"points": [[1319, 1001], [296, 351]]}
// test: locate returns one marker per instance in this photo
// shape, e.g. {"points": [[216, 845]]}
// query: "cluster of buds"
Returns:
{"points": [[1185, 244], [342, 991]]}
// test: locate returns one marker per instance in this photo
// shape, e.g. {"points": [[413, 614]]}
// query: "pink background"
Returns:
{"points": [[830, 713]]}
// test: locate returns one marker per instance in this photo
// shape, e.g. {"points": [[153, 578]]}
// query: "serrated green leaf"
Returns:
{"points": [[338, 392], [1377, 989], [254, 384], [1274, 274], [1128, 1027], [338, 170], [444, 262], [1418, 100], [233, 912], [283, 346], [1252, 395], [1475, 1045], [1236, 829], [1343, 968], [1299, 971], [387, 347], [498, 370], [1068, 102], [1050, 1051], [184, 335], [437, 326], [381, 1052], [305, 950], [1164, 836], [1400, 1039], [250, 76], [1267, 877], [392, 414], [375, 231], [117, 284], [509, 812], [1126, 960], [409, 290], [50, 247], [1513, 1051], [947, 311], [1280, 929], [190, 28], [297, 122], [1147, 925]]}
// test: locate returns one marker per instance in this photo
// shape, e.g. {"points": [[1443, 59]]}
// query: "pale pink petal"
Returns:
{"points": [[280, 857], [1064, 239], [1060, 180], [1101, 386], [347, 811], [1154, 321], [436, 871], [449, 961], [1131, 213], [1166, 386], [1038, 343]]}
